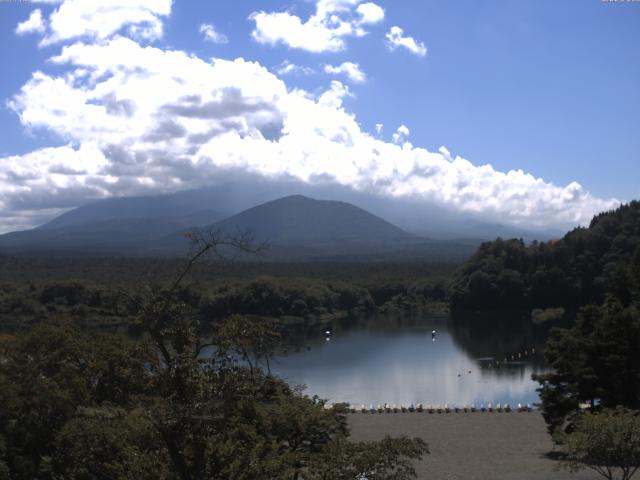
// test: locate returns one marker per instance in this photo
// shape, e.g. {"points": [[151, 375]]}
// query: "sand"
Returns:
{"points": [[472, 446]]}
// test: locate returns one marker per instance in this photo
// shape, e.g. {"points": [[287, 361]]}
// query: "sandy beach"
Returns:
{"points": [[472, 446]]}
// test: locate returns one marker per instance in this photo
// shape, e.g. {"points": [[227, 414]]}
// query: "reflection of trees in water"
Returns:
{"points": [[485, 337], [304, 334], [499, 335]]}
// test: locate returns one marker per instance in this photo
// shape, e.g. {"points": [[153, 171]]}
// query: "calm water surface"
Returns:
{"points": [[400, 363]]}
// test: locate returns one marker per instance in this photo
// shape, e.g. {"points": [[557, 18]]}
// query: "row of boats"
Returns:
{"points": [[402, 408]]}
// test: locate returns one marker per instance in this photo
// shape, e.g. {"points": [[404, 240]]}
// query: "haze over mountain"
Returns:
{"points": [[238, 191], [296, 228], [298, 219]]}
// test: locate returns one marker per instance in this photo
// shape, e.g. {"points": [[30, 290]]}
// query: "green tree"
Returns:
{"points": [[596, 362], [47, 374], [607, 442]]}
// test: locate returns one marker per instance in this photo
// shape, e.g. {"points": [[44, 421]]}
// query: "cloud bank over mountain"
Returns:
{"points": [[137, 118]]}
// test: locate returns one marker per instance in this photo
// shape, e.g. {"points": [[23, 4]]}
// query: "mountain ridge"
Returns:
{"points": [[296, 227]]}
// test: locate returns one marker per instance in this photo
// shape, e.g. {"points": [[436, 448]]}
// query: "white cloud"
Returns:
{"points": [[370, 13], [124, 137], [97, 19], [350, 69], [33, 24], [396, 38], [379, 128], [401, 134], [324, 31], [288, 68], [211, 35]]}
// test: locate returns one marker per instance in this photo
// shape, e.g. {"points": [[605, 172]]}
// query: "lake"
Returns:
{"points": [[398, 361]]}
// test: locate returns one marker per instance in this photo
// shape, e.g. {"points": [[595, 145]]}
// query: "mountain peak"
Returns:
{"points": [[296, 218]]}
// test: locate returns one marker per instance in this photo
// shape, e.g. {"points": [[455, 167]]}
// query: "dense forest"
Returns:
{"points": [[103, 293], [580, 268], [79, 404]]}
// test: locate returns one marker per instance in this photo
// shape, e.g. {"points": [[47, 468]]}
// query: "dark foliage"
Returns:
{"points": [[596, 363], [580, 268], [78, 405]]}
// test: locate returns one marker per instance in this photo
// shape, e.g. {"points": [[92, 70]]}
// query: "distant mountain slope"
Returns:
{"points": [[195, 207], [116, 236], [296, 228], [298, 219]]}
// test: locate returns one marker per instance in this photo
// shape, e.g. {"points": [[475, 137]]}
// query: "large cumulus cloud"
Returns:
{"points": [[137, 118]]}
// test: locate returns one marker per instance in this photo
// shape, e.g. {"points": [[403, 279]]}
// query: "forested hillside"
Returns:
{"points": [[578, 269]]}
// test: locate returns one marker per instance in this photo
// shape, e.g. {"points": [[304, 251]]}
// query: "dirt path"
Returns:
{"points": [[472, 446]]}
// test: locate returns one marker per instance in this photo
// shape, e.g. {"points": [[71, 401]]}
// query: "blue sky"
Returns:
{"points": [[548, 88]]}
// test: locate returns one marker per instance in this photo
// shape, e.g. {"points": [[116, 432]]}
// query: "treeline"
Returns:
{"points": [[581, 268], [318, 296]]}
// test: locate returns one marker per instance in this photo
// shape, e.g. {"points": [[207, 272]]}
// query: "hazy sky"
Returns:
{"points": [[521, 111]]}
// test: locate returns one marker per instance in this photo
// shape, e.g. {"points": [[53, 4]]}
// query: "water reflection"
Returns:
{"points": [[400, 361]]}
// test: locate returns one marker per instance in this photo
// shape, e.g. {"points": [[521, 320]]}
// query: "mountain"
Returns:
{"points": [[298, 219], [296, 228]]}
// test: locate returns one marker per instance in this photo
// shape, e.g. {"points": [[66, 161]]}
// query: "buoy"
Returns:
{"points": [[489, 408], [395, 408], [482, 409], [430, 408], [438, 409], [507, 408], [473, 407], [446, 408], [363, 409], [379, 408], [412, 408], [465, 408], [498, 408], [419, 408], [403, 408], [520, 407], [456, 409]]}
